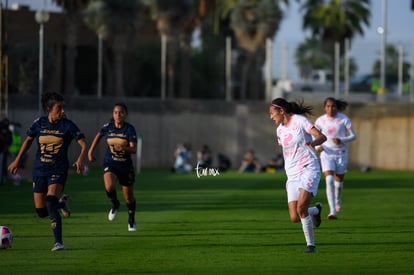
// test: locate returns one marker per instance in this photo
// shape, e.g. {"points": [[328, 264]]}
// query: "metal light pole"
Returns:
{"points": [[41, 17], [383, 33], [100, 47]]}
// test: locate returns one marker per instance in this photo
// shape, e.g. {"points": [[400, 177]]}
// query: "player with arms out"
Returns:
{"points": [[334, 152], [121, 139], [53, 134], [298, 137]]}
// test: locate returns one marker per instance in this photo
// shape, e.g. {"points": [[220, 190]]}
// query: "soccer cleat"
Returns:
{"points": [[65, 209], [332, 217], [310, 249], [57, 247], [132, 228], [112, 214], [316, 219]]}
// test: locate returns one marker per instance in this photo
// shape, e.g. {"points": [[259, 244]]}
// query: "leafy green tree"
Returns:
{"points": [[309, 57], [177, 20], [253, 21], [335, 20], [391, 65]]}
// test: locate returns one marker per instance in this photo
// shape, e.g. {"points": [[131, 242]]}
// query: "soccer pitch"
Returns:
{"points": [[227, 224]]}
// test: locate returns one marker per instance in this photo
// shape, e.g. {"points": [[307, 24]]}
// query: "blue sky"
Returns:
{"points": [[365, 50]]}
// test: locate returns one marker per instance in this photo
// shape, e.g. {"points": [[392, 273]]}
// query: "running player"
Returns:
{"points": [[53, 134], [294, 134], [121, 139], [334, 152]]}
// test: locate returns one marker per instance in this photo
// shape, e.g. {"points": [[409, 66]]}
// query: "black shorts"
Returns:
{"points": [[126, 176], [40, 184]]}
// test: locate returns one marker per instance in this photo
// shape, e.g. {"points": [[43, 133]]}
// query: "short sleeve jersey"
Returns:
{"points": [[53, 140], [334, 127], [117, 136], [293, 138]]}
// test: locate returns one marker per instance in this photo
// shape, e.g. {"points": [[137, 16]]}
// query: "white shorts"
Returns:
{"points": [[338, 164], [307, 180]]}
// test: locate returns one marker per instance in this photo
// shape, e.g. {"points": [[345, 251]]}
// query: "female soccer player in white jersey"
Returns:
{"points": [[334, 152], [298, 136]]}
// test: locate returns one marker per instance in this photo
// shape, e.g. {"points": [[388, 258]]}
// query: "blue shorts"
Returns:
{"points": [[40, 184], [126, 176]]}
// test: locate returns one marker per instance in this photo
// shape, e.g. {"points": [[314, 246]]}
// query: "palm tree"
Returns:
{"points": [[309, 57], [253, 21], [116, 21], [177, 20], [72, 9], [335, 20]]}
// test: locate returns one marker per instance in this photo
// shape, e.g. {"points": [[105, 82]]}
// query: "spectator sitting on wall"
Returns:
{"points": [[204, 158], [182, 156], [250, 163], [224, 162], [275, 164]]}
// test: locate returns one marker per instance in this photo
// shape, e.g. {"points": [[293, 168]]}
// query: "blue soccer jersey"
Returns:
{"points": [[117, 136], [53, 140]]}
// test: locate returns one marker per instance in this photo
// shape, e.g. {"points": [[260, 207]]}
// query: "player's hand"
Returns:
{"points": [[336, 140], [79, 167], [91, 158], [13, 167]]}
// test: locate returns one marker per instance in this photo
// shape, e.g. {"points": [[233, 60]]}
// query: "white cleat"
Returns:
{"points": [[112, 214], [57, 247], [132, 228]]}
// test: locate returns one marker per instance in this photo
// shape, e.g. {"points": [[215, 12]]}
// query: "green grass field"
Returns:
{"points": [[228, 224]]}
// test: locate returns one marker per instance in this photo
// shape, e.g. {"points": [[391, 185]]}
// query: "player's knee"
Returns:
{"points": [[294, 218], [42, 212], [51, 202]]}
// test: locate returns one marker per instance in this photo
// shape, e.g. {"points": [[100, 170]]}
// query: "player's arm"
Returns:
{"points": [[131, 148], [14, 165], [350, 137], [79, 162], [318, 137], [95, 142]]}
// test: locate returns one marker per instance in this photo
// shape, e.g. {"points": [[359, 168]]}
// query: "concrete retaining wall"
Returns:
{"points": [[385, 131]]}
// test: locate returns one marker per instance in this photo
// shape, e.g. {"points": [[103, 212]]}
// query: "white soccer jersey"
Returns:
{"points": [[293, 138], [334, 127]]}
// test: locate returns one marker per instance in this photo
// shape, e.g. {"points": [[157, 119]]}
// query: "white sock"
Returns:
{"points": [[307, 227], [330, 194], [338, 192], [313, 211]]}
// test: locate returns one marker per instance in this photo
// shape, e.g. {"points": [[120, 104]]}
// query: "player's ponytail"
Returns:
{"points": [[293, 107]]}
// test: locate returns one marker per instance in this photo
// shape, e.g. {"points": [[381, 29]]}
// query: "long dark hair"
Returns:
{"points": [[49, 99], [340, 104], [292, 107]]}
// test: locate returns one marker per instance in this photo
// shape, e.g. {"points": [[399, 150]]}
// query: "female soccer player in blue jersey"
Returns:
{"points": [[121, 139], [53, 134]]}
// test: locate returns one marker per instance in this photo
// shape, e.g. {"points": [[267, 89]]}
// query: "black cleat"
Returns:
{"points": [[316, 219], [310, 249]]}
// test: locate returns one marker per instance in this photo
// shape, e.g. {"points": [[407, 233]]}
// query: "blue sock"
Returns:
{"points": [[54, 216]]}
